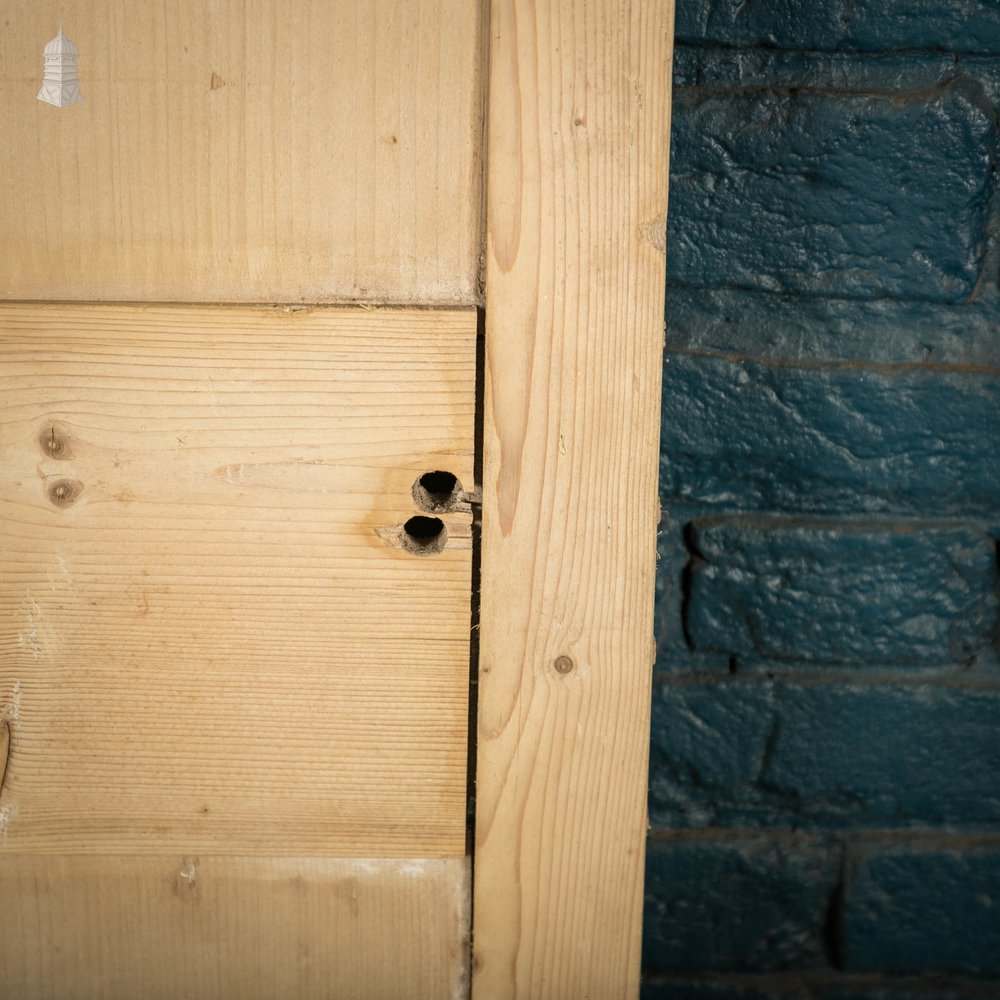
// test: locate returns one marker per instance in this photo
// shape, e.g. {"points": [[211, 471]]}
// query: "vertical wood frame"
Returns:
{"points": [[577, 151]]}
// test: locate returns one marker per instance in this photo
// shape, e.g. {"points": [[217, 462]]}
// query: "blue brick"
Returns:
{"points": [[838, 592], [791, 328], [984, 70], [671, 555], [887, 755], [812, 985], [914, 991], [895, 73], [963, 25], [661, 988], [829, 194], [756, 754], [744, 904], [838, 439], [919, 910], [673, 652], [708, 746]]}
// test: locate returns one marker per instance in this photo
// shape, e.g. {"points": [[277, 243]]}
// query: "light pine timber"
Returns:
{"points": [[211, 928], [576, 193], [244, 150], [210, 637]]}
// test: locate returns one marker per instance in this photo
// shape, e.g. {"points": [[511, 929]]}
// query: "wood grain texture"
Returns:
{"points": [[244, 150], [210, 637], [160, 928], [576, 193]]}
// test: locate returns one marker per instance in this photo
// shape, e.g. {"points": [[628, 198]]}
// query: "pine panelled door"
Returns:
{"points": [[330, 339]]}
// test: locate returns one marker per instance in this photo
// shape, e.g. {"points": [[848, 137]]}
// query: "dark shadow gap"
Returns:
{"points": [[477, 521]]}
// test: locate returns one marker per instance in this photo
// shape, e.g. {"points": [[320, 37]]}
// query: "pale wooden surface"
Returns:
{"points": [[210, 639], [207, 928], [577, 146], [244, 150]]}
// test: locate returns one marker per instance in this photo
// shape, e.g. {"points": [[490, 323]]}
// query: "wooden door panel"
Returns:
{"points": [[162, 928], [244, 150], [215, 637], [233, 692]]}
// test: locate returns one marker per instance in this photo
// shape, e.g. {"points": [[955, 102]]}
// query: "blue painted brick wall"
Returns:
{"points": [[825, 760], [748, 172]]}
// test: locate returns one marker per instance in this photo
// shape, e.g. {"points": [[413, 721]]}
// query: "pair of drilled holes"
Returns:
{"points": [[433, 492]]}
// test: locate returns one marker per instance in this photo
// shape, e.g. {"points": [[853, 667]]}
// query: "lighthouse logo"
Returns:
{"points": [[60, 86]]}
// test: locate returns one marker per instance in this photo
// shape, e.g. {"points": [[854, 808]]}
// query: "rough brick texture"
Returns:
{"points": [[911, 908], [787, 328], [809, 986], [672, 988], [914, 990], [776, 191], [763, 589], [825, 797], [830, 439], [960, 25], [882, 74], [744, 904], [778, 754]]}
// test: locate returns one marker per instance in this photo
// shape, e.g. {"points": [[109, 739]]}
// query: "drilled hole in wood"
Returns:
{"points": [[437, 491], [424, 535]]}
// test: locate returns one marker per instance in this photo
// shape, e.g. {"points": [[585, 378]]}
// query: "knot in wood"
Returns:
{"points": [[54, 444], [564, 664], [64, 492]]}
